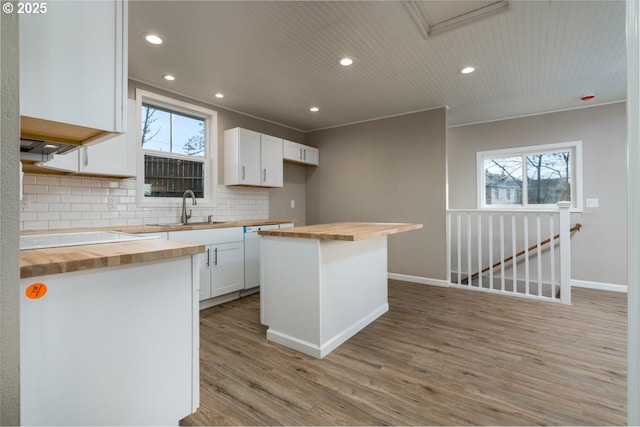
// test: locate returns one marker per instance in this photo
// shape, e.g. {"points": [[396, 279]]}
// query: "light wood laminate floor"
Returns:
{"points": [[440, 356]]}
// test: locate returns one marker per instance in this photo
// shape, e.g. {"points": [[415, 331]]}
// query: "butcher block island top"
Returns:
{"points": [[41, 262], [348, 231]]}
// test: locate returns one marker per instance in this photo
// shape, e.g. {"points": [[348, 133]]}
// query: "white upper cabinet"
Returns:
{"points": [[252, 158], [73, 70], [114, 157], [271, 161], [299, 153]]}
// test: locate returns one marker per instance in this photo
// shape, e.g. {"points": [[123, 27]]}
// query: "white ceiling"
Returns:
{"points": [[274, 60]]}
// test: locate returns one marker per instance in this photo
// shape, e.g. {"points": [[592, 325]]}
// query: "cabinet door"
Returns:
{"points": [[205, 275], [241, 157], [271, 161], [115, 156], [73, 64], [292, 151], [227, 268], [249, 157], [310, 155]]}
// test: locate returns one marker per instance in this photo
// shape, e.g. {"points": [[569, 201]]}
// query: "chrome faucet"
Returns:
{"points": [[185, 217]]}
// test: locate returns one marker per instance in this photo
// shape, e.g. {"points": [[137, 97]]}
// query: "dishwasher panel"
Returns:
{"points": [[252, 254]]}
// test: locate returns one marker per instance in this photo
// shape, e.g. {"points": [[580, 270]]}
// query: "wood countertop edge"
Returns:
{"points": [[42, 262], [135, 229], [346, 231]]}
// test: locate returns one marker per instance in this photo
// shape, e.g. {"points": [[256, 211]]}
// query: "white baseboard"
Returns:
{"points": [[598, 285], [418, 279], [574, 282]]}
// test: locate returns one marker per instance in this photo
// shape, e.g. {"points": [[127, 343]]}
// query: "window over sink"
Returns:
{"points": [[177, 150]]}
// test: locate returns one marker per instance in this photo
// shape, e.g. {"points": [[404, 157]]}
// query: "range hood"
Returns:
{"points": [[40, 139], [38, 150]]}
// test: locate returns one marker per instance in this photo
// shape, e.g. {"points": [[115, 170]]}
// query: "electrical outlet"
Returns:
{"points": [[293, 204], [112, 202], [593, 203], [26, 201]]}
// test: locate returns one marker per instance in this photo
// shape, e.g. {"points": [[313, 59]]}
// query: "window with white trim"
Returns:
{"points": [[177, 146], [530, 177]]}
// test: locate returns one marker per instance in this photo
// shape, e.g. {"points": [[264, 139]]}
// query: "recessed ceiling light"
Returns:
{"points": [[314, 109], [468, 70], [169, 77], [346, 61], [219, 95], [50, 146], [153, 39]]}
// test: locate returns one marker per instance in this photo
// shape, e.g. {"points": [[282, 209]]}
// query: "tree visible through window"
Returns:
{"points": [[534, 176], [174, 146]]}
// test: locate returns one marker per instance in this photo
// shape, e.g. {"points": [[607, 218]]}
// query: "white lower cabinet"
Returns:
{"points": [[222, 266], [117, 345], [227, 268]]}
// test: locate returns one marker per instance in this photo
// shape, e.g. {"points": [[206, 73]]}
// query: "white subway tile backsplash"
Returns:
{"points": [[72, 202], [46, 198], [35, 189], [91, 215], [48, 180], [71, 198], [71, 215], [29, 179], [59, 189], [48, 216], [80, 190], [70, 181], [59, 224], [100, 191], [59, 207]]}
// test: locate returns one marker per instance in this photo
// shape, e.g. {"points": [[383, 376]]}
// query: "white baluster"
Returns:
{"points": [[480, 250], [552, 255], [526, 253], [539, 241], [469, 271], [565, 252]]}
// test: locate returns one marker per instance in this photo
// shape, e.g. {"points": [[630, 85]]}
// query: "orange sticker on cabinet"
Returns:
{"points": [[36, 290]]}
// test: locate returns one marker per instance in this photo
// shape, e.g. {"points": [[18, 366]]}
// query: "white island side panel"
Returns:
{"points": [[353, 290], [316, 294]]}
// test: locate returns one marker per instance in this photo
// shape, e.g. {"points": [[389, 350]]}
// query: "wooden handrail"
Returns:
{"points": [[576, 227]]}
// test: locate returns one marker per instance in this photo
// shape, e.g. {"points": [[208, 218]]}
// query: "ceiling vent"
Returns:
{"points": [[435, 17]]}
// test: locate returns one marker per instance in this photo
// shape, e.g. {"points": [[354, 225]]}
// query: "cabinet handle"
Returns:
{"points": [[208, 257], [305, 154], [300, 153], [215, 257], [243, 172], [264, 174], [86, 156]]}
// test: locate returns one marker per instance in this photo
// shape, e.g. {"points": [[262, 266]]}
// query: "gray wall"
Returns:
{"points": [[294, 189], [599, 249], [9, 242], [388, 170], [279, 199]]}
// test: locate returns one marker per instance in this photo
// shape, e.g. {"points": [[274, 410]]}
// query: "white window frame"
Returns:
{"points": [[211, 149], [576, 183]]}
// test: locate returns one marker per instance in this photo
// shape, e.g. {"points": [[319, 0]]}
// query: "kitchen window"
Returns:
{"points": [[177, 143], [535, 177]]}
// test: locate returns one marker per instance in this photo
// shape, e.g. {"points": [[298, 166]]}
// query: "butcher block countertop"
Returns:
{"points": [[154, 228], [40, 262], [349, 231]]}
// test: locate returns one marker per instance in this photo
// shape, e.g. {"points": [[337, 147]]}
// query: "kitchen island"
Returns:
{"points": [[322, 284]]}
